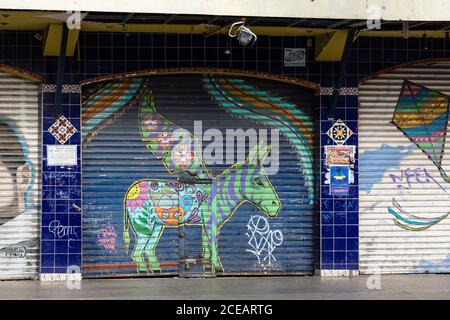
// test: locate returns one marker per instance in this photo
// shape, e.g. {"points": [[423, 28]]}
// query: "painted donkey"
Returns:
{"points": [[152, 205]]}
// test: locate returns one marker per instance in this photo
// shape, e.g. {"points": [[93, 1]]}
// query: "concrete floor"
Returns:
{"points": [[271, 288]]}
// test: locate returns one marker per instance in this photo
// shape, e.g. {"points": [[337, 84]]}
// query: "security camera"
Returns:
{"points": [[243, 34]]}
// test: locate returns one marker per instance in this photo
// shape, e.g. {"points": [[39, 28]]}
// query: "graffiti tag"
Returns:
{"points": [[61, 231], [14, 251], [107, 237], [409, 176], [262, 240]]}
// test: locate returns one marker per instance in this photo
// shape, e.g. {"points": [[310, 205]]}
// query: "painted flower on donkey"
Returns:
{"points": [[165, 140], [151, 123], [183, 156], [137, 195]]}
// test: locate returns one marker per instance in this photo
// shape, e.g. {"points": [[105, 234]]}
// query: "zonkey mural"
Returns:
{"points": [[19, 129], [403, 170], [208, 199]]}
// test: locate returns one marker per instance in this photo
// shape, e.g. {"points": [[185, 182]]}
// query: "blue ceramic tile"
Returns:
{"points": [[327, 266], [47, 260], [62, 220], [62, 206], [339, 257], [75, 246], [352, 266], [47, 218], [47, 234], [48, 205], [47, 122], [61, 180], [352, 244], [75, 179], [74, 219], [327, 217], [352, 256], [327, 244], [47, 247], [340, 231], [62, 192], [75, 233], [327, 256], [352, 231], [47, 179], [340, 205], [352, 217], [61, 260], [327, 232], [74, 259], [48, 138], [340, 218], [47, 269], [340, 244], [61, 246], [75, 192], [48, 192]]}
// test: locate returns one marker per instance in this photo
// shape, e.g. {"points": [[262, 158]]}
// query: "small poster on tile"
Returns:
{"points": [[339, 155], [60, 155], [339, 180], [294, 57]]}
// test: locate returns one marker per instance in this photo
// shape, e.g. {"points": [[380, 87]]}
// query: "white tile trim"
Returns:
{"points": [[60, 277]]}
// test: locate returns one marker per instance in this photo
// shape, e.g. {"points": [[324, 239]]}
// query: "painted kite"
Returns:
{"points": [[421, 115]]}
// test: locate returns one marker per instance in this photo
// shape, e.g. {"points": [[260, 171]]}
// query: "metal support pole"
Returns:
{"points": [[60, 73], [341, 74]]}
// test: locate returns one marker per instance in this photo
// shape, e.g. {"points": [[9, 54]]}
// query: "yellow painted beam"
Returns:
{"points": [[53, 40], [330, 46], [40, 21]]}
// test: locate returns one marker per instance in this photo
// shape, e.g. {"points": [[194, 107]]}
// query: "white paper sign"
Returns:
{"points": [[61, 155], [294, 57]]}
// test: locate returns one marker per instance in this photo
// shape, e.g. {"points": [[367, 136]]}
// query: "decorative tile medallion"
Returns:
{"points": [[339, 132], [62, 130]]}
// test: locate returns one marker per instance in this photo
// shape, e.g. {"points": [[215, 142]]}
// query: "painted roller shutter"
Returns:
{"points": [[115, 157], [20, 182], [403, 167]]}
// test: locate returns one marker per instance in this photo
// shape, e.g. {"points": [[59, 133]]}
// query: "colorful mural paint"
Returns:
{"points": [[19, 181], [104, 103], [17, 169], [246, 101], [152, 205], [403, 167], [163, 141], [421, 115], [161, 200]]}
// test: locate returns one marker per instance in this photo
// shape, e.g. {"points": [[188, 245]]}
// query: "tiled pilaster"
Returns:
{"points": [[61, 192]]}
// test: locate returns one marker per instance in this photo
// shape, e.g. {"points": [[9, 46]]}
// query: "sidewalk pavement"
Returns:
{"points": [[252, 288]]}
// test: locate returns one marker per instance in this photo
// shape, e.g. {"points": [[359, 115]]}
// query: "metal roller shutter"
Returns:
{"points": [[125, 168], [20, 182], [403, 167]]}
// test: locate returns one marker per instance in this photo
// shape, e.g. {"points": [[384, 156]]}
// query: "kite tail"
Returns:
{"points": [[444, 175]]}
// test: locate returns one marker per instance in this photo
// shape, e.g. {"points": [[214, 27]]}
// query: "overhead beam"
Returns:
{"points": [[170, 19], [412, 10], [339, 23], [330, 46], [53, 38]]}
